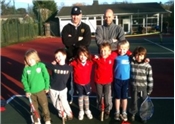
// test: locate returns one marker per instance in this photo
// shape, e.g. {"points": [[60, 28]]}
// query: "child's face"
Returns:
{"points": [[31, 61], [139, 58], [60, 57], [105, 52], [122, 50], [82, 57]]}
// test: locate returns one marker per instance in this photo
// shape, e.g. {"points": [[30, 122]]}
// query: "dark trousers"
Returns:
{"points": [[137, 97], [104, 90]]}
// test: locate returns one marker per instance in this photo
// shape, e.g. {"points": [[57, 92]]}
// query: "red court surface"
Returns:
{"points": [[12, 66]]}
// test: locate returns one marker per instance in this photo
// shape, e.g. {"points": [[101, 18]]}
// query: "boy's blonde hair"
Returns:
{"points": [[31, 53], [123, 42], [105, 44]]}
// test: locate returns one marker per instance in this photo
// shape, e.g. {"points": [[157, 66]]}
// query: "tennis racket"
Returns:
{"points": [[146, 109], [34, 112], [62, 111], [102, 108]]}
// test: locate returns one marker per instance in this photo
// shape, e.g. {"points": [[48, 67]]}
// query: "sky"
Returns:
{"points": [[26, 3]]}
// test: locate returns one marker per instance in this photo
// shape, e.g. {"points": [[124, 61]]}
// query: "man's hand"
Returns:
{"points": [[69, 35], [80, 38], [114, 40]]}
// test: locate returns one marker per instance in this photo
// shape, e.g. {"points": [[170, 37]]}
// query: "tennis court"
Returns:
{"points": [[17, 110]]}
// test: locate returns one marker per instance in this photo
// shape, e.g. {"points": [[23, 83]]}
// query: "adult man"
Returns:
{"points": [[109, 32], [76, 33]]}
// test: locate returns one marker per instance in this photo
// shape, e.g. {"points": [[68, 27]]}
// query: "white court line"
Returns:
{"points": [[160, 53], [75, 96], [130, 97], [159, 45]]}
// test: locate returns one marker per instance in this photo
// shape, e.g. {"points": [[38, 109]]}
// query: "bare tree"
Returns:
{"points": [[61, 5], [79, 4], [6, 8]]}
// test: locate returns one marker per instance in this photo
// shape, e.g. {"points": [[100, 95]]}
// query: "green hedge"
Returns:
{"points": [[17, 32]]}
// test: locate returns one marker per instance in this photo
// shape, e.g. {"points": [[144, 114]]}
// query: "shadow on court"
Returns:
{"points": [[18, 112]]}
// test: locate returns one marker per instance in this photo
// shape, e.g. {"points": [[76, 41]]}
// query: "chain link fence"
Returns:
{"points": [[14, 31]]}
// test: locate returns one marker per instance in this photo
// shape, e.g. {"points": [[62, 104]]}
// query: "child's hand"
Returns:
{"points": [[147, 60], [54, 63], [96, 56], [28, 95], [46, 91]]}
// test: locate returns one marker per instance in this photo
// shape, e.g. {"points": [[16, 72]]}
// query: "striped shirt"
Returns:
{"points": [[141, 76]]}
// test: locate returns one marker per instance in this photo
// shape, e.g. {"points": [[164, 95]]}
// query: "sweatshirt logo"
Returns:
{"points": [[125, 62], [61, 71], [38, 70], [28, 71], [82, 30]]}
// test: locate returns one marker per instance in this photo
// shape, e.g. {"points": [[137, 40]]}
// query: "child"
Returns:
{"points": [[104, 76], [61, 72], [121, 79], [82, 67], [35, 79], [141, 79]]}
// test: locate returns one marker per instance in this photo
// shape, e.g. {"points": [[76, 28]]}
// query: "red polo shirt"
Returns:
{"points": [[81, 73], [104, 69]]}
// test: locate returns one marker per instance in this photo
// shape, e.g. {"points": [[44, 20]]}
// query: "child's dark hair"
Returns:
{"points": [[62, 50], [84, 50], [140, 51]]}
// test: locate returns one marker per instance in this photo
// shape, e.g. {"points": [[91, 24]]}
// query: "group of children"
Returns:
{"points": [[113, 72]]}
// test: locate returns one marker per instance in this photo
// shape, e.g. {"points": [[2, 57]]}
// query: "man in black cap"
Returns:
{"points": [[76, 33]]}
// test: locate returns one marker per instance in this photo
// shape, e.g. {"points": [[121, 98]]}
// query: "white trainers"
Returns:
{"points": [[47, 122], [81, 115], [89, 114]]}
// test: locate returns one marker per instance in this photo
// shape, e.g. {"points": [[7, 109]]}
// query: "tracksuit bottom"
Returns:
{"points": [[59, 100]]}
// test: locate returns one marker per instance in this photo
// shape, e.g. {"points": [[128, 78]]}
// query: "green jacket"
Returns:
{"points": [[35, 78]]}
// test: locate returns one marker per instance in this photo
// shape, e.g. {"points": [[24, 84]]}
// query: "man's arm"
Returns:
{"points": [[84, 40], [100, 35], [67, 38], [120, 33]]}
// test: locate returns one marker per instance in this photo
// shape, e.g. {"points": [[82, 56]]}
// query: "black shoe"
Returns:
{"points": [[132, 118], [107, 115], [144, 121]]}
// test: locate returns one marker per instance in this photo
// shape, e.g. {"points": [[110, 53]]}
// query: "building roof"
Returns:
{"points": [[119, 9]]}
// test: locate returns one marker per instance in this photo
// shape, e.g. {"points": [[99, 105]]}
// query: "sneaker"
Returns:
{"points": [[81, 115], [107, 115], [124, 116], [89, 114], [47, 122], [117, 116], [133, 118]]}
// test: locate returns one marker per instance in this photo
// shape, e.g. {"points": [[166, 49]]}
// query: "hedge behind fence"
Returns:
{"points": [[16, 32]]}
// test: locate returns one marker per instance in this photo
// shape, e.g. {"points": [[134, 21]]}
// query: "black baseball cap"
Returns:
{"points": [[76, 10]]}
